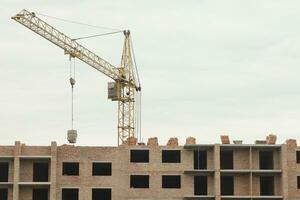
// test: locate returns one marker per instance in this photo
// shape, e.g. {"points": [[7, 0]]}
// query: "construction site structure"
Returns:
{"points": [[126, 81], [264, 170]]}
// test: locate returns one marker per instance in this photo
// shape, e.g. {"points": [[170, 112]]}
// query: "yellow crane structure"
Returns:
{"points": [[126, 82]]}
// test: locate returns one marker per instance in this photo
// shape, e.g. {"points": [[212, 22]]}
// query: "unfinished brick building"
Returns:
{"points": [[263, 170]]}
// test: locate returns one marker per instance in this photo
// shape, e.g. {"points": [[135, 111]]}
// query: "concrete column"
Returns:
{"points": [[17, 153], [290, 176], [53, 167], [284, 177], [251, 174], [217, 172]]}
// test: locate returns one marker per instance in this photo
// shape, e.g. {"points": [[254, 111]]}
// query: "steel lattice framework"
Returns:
{"points": [[124, 75]]}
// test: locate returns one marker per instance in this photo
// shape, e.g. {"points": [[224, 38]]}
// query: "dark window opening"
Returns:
{"points": [[139, 156], [169, 181], [200, 185], [71, 168], [298, 157], [266, 160], [101, 194], [298, 182], [101, 169], [171, 156], [226, 159], [40, 172], [3, 193], [69, 194], [227, 185], [200, 159], [40, 194], [266, 185], [4, 171], [139, 181]]}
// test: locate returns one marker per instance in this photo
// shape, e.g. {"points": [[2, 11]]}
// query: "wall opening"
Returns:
{"points": [[139, 181], [298, 182], [70, 194], [227, 185], [40, 194], [4, 171], [139, 156], [3, 193], [298, 157], [266, 185], [200, 185], [102, 169], [171, 181], [70, 168], [226, 159], [40, 172], [266, 160], [101, 194], [200, 159], [171, 156]]}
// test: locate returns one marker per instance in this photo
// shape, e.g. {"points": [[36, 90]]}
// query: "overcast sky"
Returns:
{"points": [[207, 68]]}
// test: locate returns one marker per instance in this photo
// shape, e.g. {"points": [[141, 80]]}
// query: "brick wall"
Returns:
{"points": [[122, 168]]}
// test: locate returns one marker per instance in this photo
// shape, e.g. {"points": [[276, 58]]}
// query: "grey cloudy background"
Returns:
{"points": [[207, 67]]}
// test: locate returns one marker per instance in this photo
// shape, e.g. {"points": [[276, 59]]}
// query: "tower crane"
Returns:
{"points": [[125, 77]]}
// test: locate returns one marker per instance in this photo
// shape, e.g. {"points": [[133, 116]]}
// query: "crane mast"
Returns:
{"points": [[125, 83]]}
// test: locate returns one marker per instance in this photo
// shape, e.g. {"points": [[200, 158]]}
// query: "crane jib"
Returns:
{"points": [[70, 46]]}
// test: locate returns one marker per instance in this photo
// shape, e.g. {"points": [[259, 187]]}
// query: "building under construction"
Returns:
{"points": [[138, 171], [264, 170]]}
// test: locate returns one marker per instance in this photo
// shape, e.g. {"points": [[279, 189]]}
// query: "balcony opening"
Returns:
{"points": [[4, 171], [139, 156], [298, 157], [40, 172], [200, 185], [71, 169], [101, 193], [267, 185], [171, 156], [102, 169], [170, 181], [200, 159], [70, 194], [266, 160], [40, 194], [227, 185], [139, 181], [3, 193], [226, 159]]}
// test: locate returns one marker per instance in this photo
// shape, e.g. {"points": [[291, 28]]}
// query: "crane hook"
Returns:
{"points": [[72, 82]]}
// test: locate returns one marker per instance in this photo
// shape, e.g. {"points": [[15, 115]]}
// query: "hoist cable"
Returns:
{"points": [[97, 35], [72, 107], [140, 114], [137, 118], [74, 68], [134, 60], [70, 59], [78, 23], [72, 82], [139, 92]]}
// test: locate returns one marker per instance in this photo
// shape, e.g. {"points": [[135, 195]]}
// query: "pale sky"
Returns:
{"points": [[207, 67]]}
